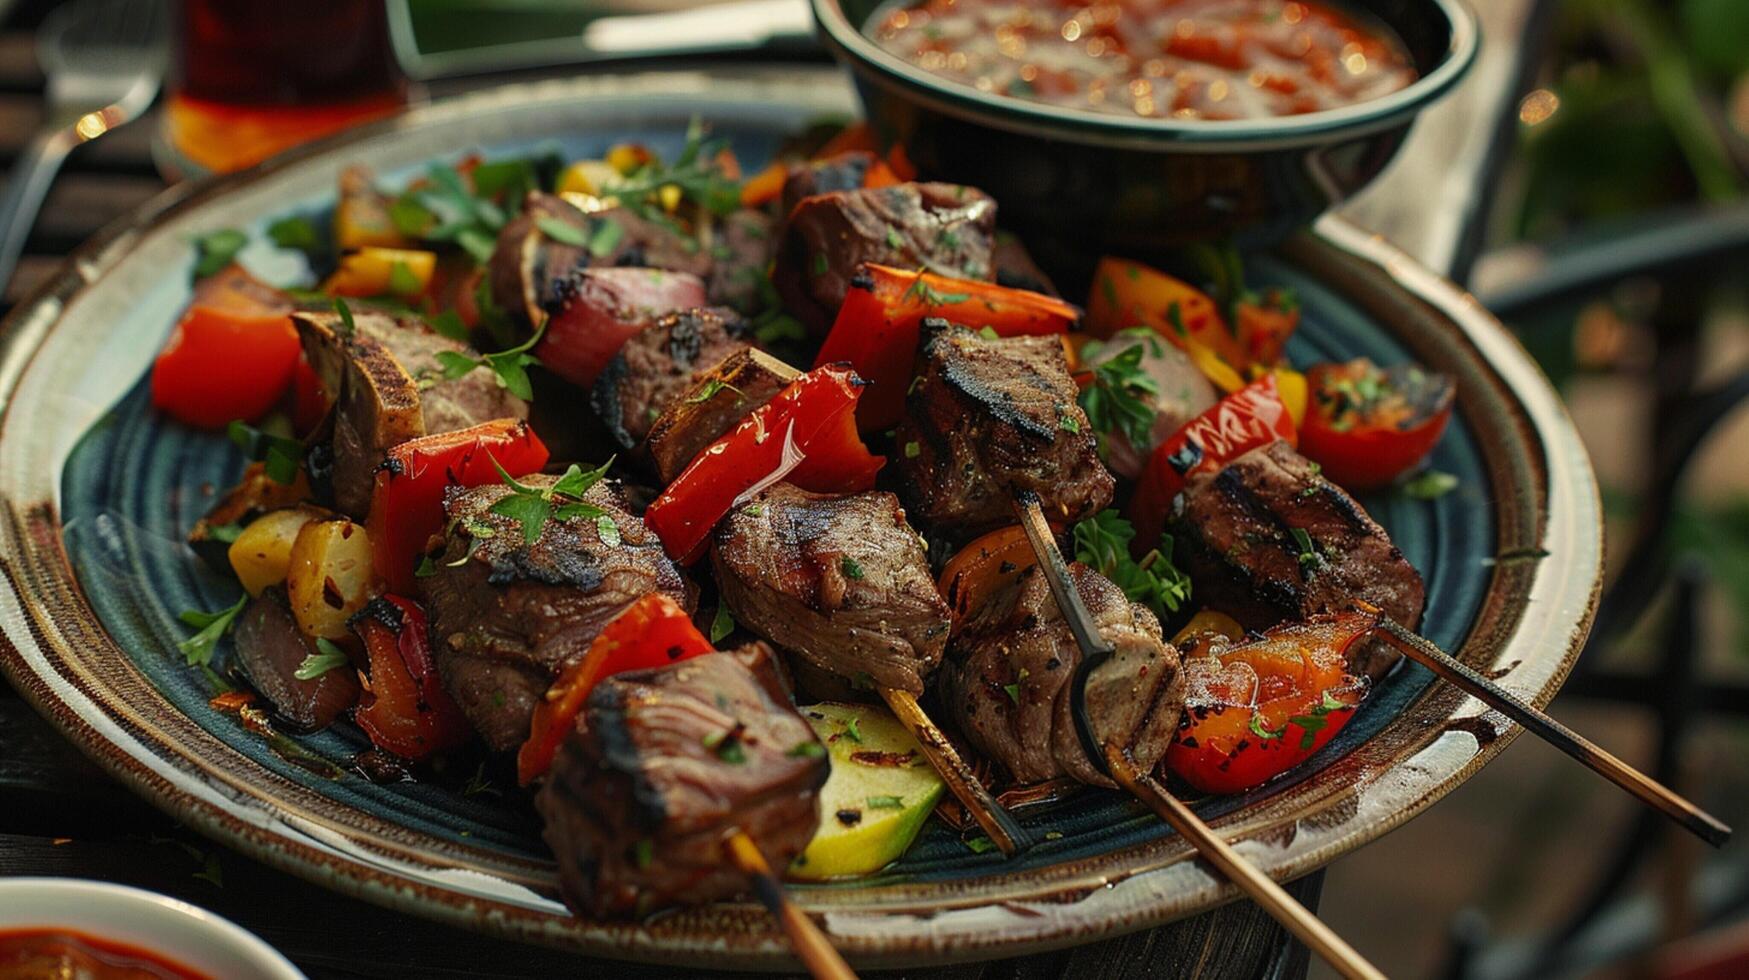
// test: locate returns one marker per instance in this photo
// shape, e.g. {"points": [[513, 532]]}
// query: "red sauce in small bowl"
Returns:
{"points": [[1184, 59], [58, 953]]}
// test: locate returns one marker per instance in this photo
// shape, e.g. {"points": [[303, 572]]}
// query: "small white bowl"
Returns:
{"points": [[182, 933]]}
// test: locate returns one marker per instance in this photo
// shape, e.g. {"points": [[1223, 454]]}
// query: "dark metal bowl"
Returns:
{"points": [[1086, 180]]}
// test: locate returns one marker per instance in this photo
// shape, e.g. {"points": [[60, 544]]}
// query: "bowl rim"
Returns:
{"points": [[1182, 135], [149, 910]]}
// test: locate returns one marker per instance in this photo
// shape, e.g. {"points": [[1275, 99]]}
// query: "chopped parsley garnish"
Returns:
{"points": [[480, 785], [1429, 485], [930, 296], [1309, 724], [348, 327], [1102, 542], [426, 569], [215, 250], [510, 365], [894, 239], [851, 568], [710, 389], [449, 324], [722, 624], [532, 506], [644, 853], [198, 649], [912, 449], [327, 657], [980, 844], [278, 455], [1308, 552], [989, 333], [1014, 688], [727, 745], [695, 173], [224, 533], [885, 803], [819, 264], [605, 238], [607, 530], [806, 750], [1120, 401], [1066, 420], [853, 729]]}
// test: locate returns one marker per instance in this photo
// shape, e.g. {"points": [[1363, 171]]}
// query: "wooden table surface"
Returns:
{"points": [[60, 815]]}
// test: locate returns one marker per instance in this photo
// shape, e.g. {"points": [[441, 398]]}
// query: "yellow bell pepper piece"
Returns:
{"points": [[628, 158], [1291, 386], [372, 271], [587, 177], [1210, 621]]}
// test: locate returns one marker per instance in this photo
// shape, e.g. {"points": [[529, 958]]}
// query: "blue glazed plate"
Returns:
{"points": [[99, 492]]}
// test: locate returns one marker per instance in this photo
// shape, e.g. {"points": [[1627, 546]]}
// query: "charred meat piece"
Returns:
{"points": [[1015, 267], [945, 228], [388, 388], [1007, 676], [1267, 540], [841, 581], [740, 254], [663, 766], [271, 649], [654, 367], [987, 418], [506, 616], [597, 310], [528, 265], [715, 402], [845, 171]]}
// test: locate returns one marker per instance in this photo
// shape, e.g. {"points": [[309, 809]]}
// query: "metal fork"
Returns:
{"points": [[104, 60]]}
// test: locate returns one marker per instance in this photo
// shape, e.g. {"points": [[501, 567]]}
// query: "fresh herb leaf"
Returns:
{"points": [[851, 568], [727, 745], [930, 296], [1308, 552], [224, 533], [722, 624], [820, 265], [531, 511], [605, 238], [853, 729], [980, 844], [608, 530], [1120, 401], [912, 449], [426, 569], [295, 232], [644, 853], [279, 456], [479, 785], [347, 326], [198, 649], [1102, 542], [532, 506], [1066, 420], [695, 173], [510, 366], [1429, 485], [449, 324], [710, 389], [327, 657], [402, 281], [215, 250], [894, 239]]}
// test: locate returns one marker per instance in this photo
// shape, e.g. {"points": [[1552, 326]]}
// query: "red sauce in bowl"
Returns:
{"points": [[61, 953], [1184, 59]]}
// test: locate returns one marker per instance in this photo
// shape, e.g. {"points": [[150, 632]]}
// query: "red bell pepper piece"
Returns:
{"points": [[877, 328], [1248, 418], [1232, 427], [406, 503], [815, 417], [1367, 425], [405, 709], [232, 354], [1255, 710], [652, 632]]}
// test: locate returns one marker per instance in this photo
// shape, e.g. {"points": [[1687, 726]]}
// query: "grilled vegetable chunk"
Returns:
{"points": [[1269, 540], [989, 417], [880, 792], [507, 616], [663, 765], [1006, 680], [841, 581]]}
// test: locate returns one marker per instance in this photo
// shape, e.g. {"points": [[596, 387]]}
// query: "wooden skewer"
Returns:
{"points": [[1116, 763], [995, 820], [1260, 887], [811, 945], [1419, 649]]}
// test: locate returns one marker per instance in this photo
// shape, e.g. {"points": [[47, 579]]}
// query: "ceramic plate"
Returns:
{"points": [[97, 492]]}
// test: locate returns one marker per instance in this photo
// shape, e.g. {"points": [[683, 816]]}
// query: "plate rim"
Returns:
{"points": [[739, 931]]}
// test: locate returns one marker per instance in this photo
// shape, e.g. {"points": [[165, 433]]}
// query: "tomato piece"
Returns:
{"points": [[877, 328], [806, 435], [1257, 709], [406, 501], [405, 709], [980, 569], [654, 631], [1265, 323], [1252, 417], [1367, 425], [231, 356]]}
